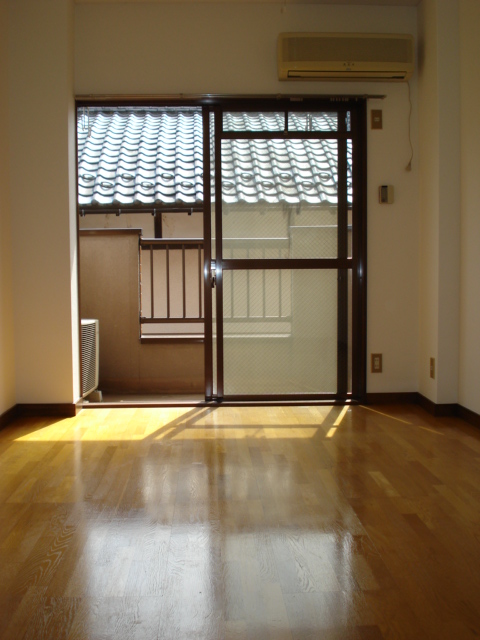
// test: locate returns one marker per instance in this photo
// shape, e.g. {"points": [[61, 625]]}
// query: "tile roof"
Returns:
{"points": [[134, 156]]}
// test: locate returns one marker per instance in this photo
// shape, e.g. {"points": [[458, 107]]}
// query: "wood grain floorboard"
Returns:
{"points": [[241, 523]]}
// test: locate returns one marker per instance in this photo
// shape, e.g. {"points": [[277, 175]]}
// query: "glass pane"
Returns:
{"points": [[254, 121], [280, 198], [321, 121], [280, 331], [350, 327], [349, 172], [131, 155], [349, 195]]}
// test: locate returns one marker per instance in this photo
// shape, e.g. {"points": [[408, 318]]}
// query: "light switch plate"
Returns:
{"points": [[385, 194]]}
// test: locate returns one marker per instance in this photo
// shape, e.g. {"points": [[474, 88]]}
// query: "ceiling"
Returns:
{"points": [[385, 3]]}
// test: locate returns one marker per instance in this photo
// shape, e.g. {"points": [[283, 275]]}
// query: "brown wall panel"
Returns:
{"points": [[109, 292]]}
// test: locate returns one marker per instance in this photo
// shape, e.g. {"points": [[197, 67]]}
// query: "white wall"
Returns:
{"points": [[429, 192], [42, 162], [393, 262], [469, 391], [439, 112], [231, 48], [7, 362]]}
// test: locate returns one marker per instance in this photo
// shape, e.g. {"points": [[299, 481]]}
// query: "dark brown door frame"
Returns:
{"points": [[207, 244], [211, 104], [356, 264]]}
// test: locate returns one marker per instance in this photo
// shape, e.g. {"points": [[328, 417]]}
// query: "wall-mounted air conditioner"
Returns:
{"points": [[345, 56], [90, 344]]}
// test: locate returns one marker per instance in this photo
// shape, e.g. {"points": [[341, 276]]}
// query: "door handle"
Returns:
{"points": [[213, 274]]}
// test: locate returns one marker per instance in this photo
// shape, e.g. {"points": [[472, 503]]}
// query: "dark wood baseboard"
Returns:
{"points": [[8, 416], [65, 410], [437, 410], [469, 416], [413, 397], [408, 397]]}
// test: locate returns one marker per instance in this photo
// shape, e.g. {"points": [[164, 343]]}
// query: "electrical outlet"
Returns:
{"points": [[376, 119], [376, 363], [432, 368]]}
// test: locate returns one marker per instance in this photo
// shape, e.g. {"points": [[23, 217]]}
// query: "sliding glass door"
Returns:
{"points": [[288, 245]]}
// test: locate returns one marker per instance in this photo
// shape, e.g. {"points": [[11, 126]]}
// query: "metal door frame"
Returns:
{"points": [[357, 263]]}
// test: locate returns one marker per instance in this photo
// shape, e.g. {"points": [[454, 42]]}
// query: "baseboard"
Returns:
{"points": [[65, 410], [408, 397], [437, 410], [8, 416], [469, 416]]}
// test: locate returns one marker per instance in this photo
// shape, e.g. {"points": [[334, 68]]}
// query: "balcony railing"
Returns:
{"points": [[171, 287]]}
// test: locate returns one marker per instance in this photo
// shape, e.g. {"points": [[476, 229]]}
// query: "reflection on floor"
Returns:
{"points": [[331, 523]]}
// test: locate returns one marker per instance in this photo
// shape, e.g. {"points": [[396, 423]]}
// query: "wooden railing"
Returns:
{"points": [[171, 280]]}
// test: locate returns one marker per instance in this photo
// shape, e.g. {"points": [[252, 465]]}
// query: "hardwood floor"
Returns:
{"points": [[261, 523]]}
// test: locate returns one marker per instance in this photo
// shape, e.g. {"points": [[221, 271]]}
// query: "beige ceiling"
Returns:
{"points": [[385, 3]]}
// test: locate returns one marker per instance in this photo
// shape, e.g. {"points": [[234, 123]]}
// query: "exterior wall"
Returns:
{"points": [[143, 221], [235, 52], [7, 358], [109, 292], [174, 225], [470, 220]]}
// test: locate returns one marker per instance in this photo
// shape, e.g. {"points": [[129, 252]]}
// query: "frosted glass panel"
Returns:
{"points": [[280, 331], [280, 197]]}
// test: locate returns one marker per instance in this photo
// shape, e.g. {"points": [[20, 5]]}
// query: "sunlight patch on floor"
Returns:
{"points": [[182, 423], [386, 415]]}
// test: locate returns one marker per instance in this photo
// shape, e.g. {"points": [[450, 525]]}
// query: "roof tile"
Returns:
{"points": [[131, 156]]}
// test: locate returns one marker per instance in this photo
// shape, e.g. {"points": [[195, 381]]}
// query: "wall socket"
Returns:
{"points": [[376, 121], [376, 363], [432, 368]]}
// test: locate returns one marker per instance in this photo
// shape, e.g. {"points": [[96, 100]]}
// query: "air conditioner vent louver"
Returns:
{"points": [[345, 56], [89, 356]]}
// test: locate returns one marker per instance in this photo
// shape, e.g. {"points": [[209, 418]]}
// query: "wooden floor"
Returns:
{"points": [[260, 523]]}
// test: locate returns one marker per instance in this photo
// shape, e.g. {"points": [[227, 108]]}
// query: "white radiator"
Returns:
{"points": [[89, 356]]}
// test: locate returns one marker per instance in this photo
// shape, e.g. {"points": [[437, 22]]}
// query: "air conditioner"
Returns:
{"points": [[90, 344], [345, 56]]}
